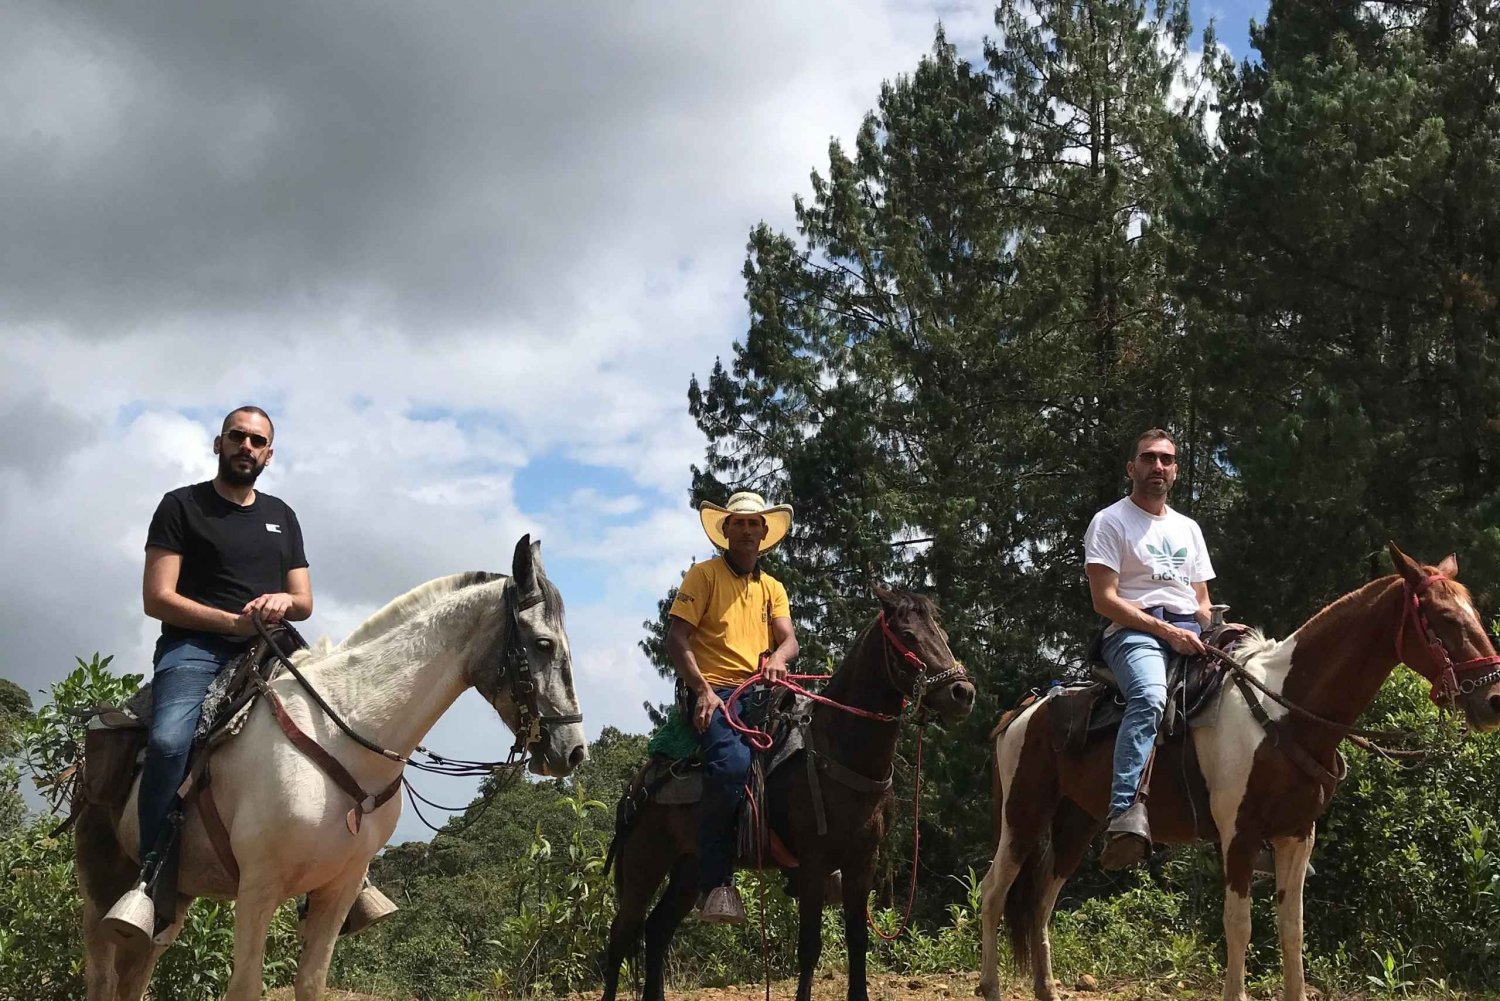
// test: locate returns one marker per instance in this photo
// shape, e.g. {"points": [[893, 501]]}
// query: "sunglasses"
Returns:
{"points": [[238, 438], [1165, 458]]}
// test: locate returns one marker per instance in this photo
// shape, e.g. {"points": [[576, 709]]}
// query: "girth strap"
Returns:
{"points": [[817, 761], [363, 802]]}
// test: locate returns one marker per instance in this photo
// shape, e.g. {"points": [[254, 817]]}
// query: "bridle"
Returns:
{"points": [[1443, 670], [515, 677], [515, 672], [921, 681]]}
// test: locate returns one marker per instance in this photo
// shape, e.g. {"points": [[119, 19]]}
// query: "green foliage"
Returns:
{"points": [[39, 911], [41, 954], [15, 708], [53, 736]]}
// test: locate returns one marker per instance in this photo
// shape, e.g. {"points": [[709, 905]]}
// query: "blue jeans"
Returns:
{"points": [[726, 763], [1139, 661], [184, 670]]}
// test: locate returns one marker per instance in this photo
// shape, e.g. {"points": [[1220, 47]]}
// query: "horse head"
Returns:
{"points": [[1442, 638], [530, 684], [921, 666]]}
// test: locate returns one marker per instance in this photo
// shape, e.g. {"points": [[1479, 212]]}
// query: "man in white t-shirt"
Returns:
{"points": [[1148, 574]]}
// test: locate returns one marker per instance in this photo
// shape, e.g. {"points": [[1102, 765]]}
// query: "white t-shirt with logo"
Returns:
{"points": [[1158, 557]]}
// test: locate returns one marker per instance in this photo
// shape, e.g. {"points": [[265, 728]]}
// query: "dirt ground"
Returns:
{"points": [[830, 986]]}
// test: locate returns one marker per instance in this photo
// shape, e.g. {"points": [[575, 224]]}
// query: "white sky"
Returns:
{"points": [[467, 255]]}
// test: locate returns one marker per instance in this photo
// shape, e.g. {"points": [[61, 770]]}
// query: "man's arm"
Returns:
{"points": [[161, 600], [680, 650], [785, 635], [1104, 587], [294, 604], [1205, 609]]}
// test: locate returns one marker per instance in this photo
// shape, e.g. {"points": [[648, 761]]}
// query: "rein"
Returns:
{"points": [[529, 729], [921, 683], [1443, 677]]}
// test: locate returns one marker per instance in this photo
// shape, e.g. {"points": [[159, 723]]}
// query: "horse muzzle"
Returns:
{"points": [[952, 702], [558, 751]]}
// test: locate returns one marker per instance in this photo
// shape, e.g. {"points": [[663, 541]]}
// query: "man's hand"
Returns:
{"points": [[708, 701], [1183, 640], [272, 607], [774, 668]]}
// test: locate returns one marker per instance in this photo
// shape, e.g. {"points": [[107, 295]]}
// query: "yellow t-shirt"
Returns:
{"points": [[731, 618]]}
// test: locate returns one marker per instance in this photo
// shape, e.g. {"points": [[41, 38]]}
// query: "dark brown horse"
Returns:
{"points": [[901, 655], [1259, 787]]}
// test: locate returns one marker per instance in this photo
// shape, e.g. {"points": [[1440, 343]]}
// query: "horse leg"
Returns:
{"points": [[996, 885], [1291, 868], [253, 908], [856, 928], [1238, 855], [668, 913], [634, 885], [98, 952], [133, 971], [812, 876], [1072, 830], [327, 907]]}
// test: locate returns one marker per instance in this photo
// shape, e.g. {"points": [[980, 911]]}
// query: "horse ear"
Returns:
{"points": [[523, 566], [1405, 565], [885, 596], [536, 559], [1449, 567]]}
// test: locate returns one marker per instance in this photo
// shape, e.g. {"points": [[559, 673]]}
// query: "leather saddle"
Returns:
{"points": [[115, 736], [673, 781], [1091, 709]]}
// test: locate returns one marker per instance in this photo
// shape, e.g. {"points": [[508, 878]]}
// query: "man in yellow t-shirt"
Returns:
{"points": [[726, 615]]}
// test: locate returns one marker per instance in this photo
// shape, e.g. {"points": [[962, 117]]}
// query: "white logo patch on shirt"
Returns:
{"points": [[273, 528]]}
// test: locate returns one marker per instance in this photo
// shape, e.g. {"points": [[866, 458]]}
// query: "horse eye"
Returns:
{"points": [[544, 645]]}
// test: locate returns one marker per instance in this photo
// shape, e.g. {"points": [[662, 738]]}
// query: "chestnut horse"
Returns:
{"points": [[1259, 787], [903, 654]]}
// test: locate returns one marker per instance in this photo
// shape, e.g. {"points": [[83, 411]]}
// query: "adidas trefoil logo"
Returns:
{"points": [[1167, 561]]}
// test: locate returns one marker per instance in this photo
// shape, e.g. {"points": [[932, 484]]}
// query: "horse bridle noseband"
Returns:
{"points": [[922, 681], [1444, 677], [531, 723]]}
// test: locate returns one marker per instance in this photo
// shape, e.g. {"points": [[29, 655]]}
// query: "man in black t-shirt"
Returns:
{"points": [[215, 553]]}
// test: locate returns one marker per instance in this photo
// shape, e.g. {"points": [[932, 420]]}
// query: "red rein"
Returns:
{"points": [[760, 740], [1444, 678]]}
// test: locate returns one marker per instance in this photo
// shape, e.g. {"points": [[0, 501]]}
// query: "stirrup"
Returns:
{"points": [[722, 906], [132, 921], [369, 908], [1127, 838]]}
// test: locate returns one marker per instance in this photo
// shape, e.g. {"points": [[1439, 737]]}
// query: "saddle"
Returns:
{"points": [[676, 779], [1091, 707], [115, 745], [115, 736]]}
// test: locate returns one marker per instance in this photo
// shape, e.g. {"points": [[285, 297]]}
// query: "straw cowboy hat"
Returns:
{"points": [[778, 518]]}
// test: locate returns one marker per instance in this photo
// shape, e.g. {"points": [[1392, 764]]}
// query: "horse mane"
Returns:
{"points": [[1254, 644], [401, 609], [1257, 643], [910, 602]]}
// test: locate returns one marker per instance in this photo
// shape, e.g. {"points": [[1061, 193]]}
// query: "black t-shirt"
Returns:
{"points": [[230, 554]]}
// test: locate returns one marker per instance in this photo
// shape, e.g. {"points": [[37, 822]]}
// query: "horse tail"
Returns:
{"points": [[997, 787], [623, 823], [627, 811], [1023, 908]]}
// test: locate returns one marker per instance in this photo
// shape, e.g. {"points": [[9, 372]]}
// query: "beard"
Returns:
{"points": [[235, 473], [1150, 487]]}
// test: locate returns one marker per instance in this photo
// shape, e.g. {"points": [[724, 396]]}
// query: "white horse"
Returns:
{"points": [[289, 824]]}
